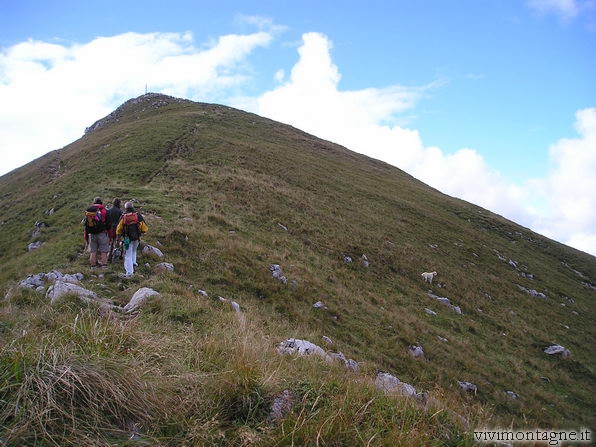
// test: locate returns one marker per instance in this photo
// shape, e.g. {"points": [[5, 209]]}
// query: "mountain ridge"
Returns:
{"points": [[228, 193]]}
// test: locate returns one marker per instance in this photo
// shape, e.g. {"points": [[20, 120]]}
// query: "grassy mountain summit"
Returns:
{"points": [[226, 194]]}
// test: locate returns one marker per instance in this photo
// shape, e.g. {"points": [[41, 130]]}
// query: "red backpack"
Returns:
{"points": [[95, 219]]}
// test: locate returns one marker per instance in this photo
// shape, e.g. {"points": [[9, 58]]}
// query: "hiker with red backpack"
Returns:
{"points": [[96, 233], [131, 227]]}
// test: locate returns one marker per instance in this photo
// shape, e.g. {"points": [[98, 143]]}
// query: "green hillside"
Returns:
{"points": [[226, 194]]}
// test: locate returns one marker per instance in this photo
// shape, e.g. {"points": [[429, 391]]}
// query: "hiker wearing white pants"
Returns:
{"points": [[130, 258], [130, 228]]}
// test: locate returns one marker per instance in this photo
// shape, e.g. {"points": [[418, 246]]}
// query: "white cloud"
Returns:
{"points": [[560, 205], [50, 92], [565, 9]]}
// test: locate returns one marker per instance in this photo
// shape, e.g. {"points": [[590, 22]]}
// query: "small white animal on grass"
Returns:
{"points": [[428, 277]]}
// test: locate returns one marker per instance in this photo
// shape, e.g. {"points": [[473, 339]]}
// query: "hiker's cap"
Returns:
{"points": [[98, 201], [129, 205]]}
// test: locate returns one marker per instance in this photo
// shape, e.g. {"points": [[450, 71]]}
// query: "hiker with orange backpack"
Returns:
{"points": [[131, 227], [96, 233]]}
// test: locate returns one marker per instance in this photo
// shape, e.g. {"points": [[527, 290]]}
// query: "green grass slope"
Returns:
{"points": [[227, 193]]}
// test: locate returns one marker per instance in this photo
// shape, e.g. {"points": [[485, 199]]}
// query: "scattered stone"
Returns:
{"points": [[283, 227], [532, 292], [446, 302], [416, 351], [203, 293], [151, 250], [327, 340], [139, 297], [511, 394], [430, 312], [39, 280], [351, 365], [233, 304], [588, 285], [364, 261], [277, 273], [62, 288], [468, 387], [164, 267], [389, 384], [347, 259], [527, 275], [55, 275], [34, 245], [282, 405], [319, 305], [558, 350], [513, 264], [50, 211], [443, 339], [300, 347]]}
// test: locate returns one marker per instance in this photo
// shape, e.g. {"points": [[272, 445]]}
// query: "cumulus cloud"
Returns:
{"points": [[560, 205], [568, 187], [50, 91]]}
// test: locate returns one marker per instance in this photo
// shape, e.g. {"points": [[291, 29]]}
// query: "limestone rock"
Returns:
{"points": [[277, 273], [233, 304], [164, 267], [34, 245], [139, 297], [151, 250], [416, 351], [61, 288], [430, 312], [511, 394], [300, 347], [558, 350], [467, 386], [388, 383]]}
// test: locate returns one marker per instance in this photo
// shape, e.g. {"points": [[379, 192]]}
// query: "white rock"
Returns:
{"points": [[151, 250], [558, 350], [318, 305], [430, 312], [164, 267], [61, 288], [467, 386], [300, 347], [389, 383], [34, 245], [139, 297], [327, 340], [203, 293], [511, 394], [443, 339], [416, 351]]}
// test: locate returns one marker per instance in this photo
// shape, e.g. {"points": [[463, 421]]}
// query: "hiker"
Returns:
{"points": [[130, 228], [96, 233], [114, 214]]}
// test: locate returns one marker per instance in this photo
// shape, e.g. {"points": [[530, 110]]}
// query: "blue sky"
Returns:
{"points": [[490, 101]]}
